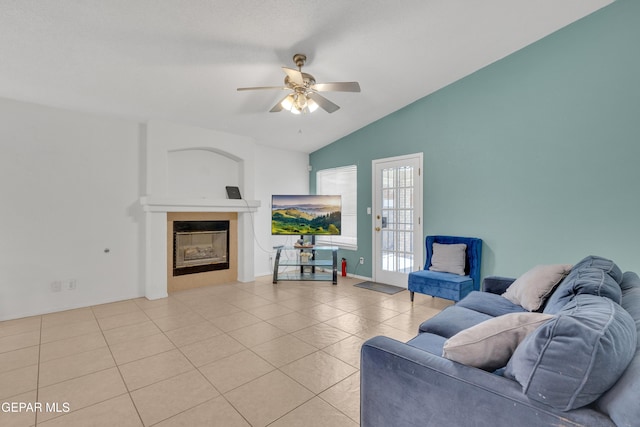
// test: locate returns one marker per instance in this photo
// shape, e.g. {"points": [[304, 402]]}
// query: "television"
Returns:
{"points": [[310, 215]]}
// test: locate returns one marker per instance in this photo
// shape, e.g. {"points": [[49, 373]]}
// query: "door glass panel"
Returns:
{"points": [[398, 213]]}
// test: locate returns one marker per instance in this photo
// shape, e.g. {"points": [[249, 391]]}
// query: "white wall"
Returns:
{"points": [[70, 184], [277, 172]]}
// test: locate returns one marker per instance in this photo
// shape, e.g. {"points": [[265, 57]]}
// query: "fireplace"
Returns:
{"points": [[200, 246], [170, 195], [197, 257]]}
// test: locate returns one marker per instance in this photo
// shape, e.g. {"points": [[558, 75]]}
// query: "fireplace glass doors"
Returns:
{"points": [[200, 246]]}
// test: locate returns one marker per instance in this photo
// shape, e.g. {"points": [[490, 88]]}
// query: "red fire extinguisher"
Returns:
{"points": [[344, 267]]}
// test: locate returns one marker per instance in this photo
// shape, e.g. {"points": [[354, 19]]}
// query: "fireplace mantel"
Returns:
{"points": [[173, 204]]}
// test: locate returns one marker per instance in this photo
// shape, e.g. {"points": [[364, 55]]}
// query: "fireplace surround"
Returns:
{"points": [[164, 201]]}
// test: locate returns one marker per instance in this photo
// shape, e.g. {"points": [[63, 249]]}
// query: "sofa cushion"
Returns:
{"points": [[488, 303], [585, 280], [490, 344], [620, 402], [532, 288], [452, 320], [601, 263], [564, 292], [449, 258], [431, 343], [572, 359]]}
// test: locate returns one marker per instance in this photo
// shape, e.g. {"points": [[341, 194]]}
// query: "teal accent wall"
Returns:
{"points": [[537, 154]]}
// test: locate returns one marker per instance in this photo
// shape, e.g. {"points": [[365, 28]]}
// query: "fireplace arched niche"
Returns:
{"points": [[202, 172]]}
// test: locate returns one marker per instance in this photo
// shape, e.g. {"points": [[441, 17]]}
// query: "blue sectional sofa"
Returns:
{"points": [[579, 366]]}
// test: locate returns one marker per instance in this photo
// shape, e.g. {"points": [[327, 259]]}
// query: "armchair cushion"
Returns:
{"points": [[449, 258], [443, 285]]}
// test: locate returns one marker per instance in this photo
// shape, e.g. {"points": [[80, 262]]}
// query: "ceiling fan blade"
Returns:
{"points": [[323, 102], [294, 75], [262, 88], [337, 87], [278, 107]]}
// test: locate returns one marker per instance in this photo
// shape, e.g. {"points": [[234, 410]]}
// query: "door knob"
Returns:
{"points": [[377, 228]]}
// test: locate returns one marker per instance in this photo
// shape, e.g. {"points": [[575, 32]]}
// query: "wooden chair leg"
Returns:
{"points": [[411, 293]]}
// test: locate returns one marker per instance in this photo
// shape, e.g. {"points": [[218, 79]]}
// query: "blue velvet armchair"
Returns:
{"points": [[448, 285]]}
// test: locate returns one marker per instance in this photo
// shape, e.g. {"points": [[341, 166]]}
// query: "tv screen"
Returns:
{"points": [[306, 215]]}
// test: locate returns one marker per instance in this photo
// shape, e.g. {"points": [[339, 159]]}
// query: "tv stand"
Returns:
{"points": [[306, 265]]}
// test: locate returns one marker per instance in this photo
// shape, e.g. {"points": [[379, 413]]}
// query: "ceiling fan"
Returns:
{"points": [[304, 96]]}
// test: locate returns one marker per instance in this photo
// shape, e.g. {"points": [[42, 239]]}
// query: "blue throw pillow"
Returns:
{"points": [[575, 357]]}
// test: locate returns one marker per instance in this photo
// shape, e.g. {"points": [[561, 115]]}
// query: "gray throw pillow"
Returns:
{"points": [[533, 288], [490, 344], [449, 258]]}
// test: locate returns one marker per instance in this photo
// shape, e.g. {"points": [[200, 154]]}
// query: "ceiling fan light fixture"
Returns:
{"points": [[288, 102], [311, 105], [304, 97], [298, 103]]}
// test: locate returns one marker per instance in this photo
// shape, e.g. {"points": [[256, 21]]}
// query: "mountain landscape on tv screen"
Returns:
{"points": [[305, 218]]}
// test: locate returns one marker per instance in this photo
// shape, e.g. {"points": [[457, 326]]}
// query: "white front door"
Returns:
{"points": [[397, 218]]}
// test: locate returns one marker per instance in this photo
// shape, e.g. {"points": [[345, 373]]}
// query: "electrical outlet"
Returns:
{"points": [[71, 285], [56, 286], [361, 260]]}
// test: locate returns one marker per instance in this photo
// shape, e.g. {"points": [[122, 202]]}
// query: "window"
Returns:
{"points": [[342, 181]]}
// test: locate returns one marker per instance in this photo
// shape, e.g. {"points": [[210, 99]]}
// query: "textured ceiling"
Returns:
{"points": [[183, 60]]}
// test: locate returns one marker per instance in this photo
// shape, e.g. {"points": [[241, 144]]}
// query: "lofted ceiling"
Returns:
{"points": [[182, 60]]}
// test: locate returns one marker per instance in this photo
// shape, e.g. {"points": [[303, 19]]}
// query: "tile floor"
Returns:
{"points": [[241, 354]]}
